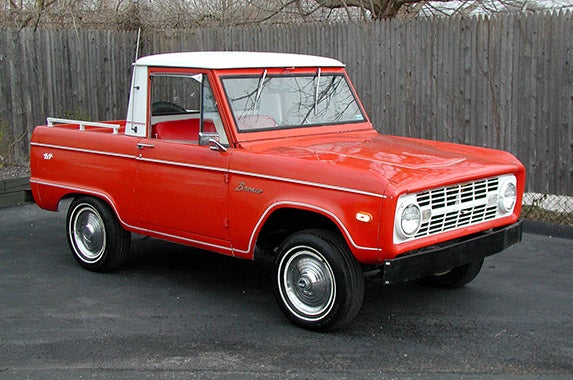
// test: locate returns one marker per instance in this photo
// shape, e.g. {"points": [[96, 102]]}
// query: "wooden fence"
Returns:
{"points": [[503, 82]]}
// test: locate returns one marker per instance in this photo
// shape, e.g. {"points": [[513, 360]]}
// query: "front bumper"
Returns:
{"points": [[448, 255]]}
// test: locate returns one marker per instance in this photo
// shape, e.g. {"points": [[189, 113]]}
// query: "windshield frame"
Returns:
{"points": [[262, 74]]}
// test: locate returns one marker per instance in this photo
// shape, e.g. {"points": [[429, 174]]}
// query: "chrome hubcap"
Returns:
{"points": [[89, 234], [308, 284]]}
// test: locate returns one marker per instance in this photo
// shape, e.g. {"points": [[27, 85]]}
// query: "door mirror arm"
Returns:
{"points": [[214, 144], [212, 139]]}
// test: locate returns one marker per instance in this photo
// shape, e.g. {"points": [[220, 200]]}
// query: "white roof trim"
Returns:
{"points": [[235, 60]]}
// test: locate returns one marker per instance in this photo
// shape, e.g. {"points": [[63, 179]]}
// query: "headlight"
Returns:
{"points": [[507, 197], [410, 220]]}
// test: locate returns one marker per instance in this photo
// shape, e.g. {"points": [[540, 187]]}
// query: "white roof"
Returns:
{"points": [[235, 60]]}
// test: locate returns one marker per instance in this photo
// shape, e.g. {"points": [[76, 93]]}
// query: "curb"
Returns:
{"points": [[15, 191], [547, 229]]}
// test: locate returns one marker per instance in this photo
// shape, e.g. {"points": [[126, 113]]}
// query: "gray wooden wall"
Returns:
{"points": [[503, 82], [65, 73]]}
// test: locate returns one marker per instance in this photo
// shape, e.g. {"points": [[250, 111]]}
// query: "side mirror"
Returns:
{"points": [[212, 139]]}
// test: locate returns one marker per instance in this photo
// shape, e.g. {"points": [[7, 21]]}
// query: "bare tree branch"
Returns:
{"points": [[173, 14]]}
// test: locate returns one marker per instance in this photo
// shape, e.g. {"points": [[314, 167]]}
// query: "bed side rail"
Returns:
{"points": [[83, 124]]}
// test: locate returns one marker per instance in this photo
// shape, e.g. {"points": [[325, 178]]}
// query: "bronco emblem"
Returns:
{"points": [[243, 187]]}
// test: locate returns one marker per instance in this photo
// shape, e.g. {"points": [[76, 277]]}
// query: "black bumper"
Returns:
{"points": [[448, 255]]}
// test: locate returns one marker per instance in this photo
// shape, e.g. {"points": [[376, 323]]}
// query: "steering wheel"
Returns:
{"points": [[166, 108]]}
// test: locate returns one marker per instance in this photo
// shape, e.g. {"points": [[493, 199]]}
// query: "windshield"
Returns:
{"points": [[268, 102]]}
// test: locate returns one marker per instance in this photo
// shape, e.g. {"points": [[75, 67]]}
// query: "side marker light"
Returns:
{"points": [[363, 217]]}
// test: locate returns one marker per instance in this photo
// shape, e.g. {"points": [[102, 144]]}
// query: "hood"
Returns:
{"points": [[406, 164]]}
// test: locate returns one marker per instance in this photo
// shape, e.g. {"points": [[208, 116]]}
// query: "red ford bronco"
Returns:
{"points": [[246, 154]]}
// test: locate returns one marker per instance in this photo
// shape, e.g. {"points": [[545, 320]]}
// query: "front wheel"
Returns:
{"points": [[96, 239], [319, 285]]}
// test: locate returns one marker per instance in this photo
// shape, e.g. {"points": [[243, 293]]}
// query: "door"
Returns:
{"points": [[181, 185]]}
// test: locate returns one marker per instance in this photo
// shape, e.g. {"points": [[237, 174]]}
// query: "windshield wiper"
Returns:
{"points": [[260, 87], [320, 96], [316, 92]]}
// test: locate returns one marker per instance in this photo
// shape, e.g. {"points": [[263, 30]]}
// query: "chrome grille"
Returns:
{"points": [[457, 206]]}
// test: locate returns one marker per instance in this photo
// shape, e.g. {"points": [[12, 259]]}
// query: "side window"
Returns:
{"points": [[182, 106], [211, 118]]}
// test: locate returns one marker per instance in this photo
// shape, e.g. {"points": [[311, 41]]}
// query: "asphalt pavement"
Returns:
{"points": [[176, 312]]}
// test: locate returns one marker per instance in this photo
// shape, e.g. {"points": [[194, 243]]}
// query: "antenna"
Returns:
{"points": [[137, 46]]}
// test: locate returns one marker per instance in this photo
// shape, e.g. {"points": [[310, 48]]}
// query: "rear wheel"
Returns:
{"points": [[455, 278], [96, 239], [319, 285]]}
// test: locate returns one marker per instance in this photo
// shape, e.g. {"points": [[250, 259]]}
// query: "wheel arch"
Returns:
{"points": [[88, 193], [49, 195], [284, 219], [61, 193], [105, 198]]}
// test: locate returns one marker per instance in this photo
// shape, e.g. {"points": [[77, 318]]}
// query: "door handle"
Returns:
{"points": [[140, 146]]}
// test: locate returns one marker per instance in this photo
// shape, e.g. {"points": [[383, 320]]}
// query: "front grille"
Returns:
{"points": [[457, 206]]}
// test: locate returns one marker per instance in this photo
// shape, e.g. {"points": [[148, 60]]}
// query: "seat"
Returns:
{"points": [[184, 130]]}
